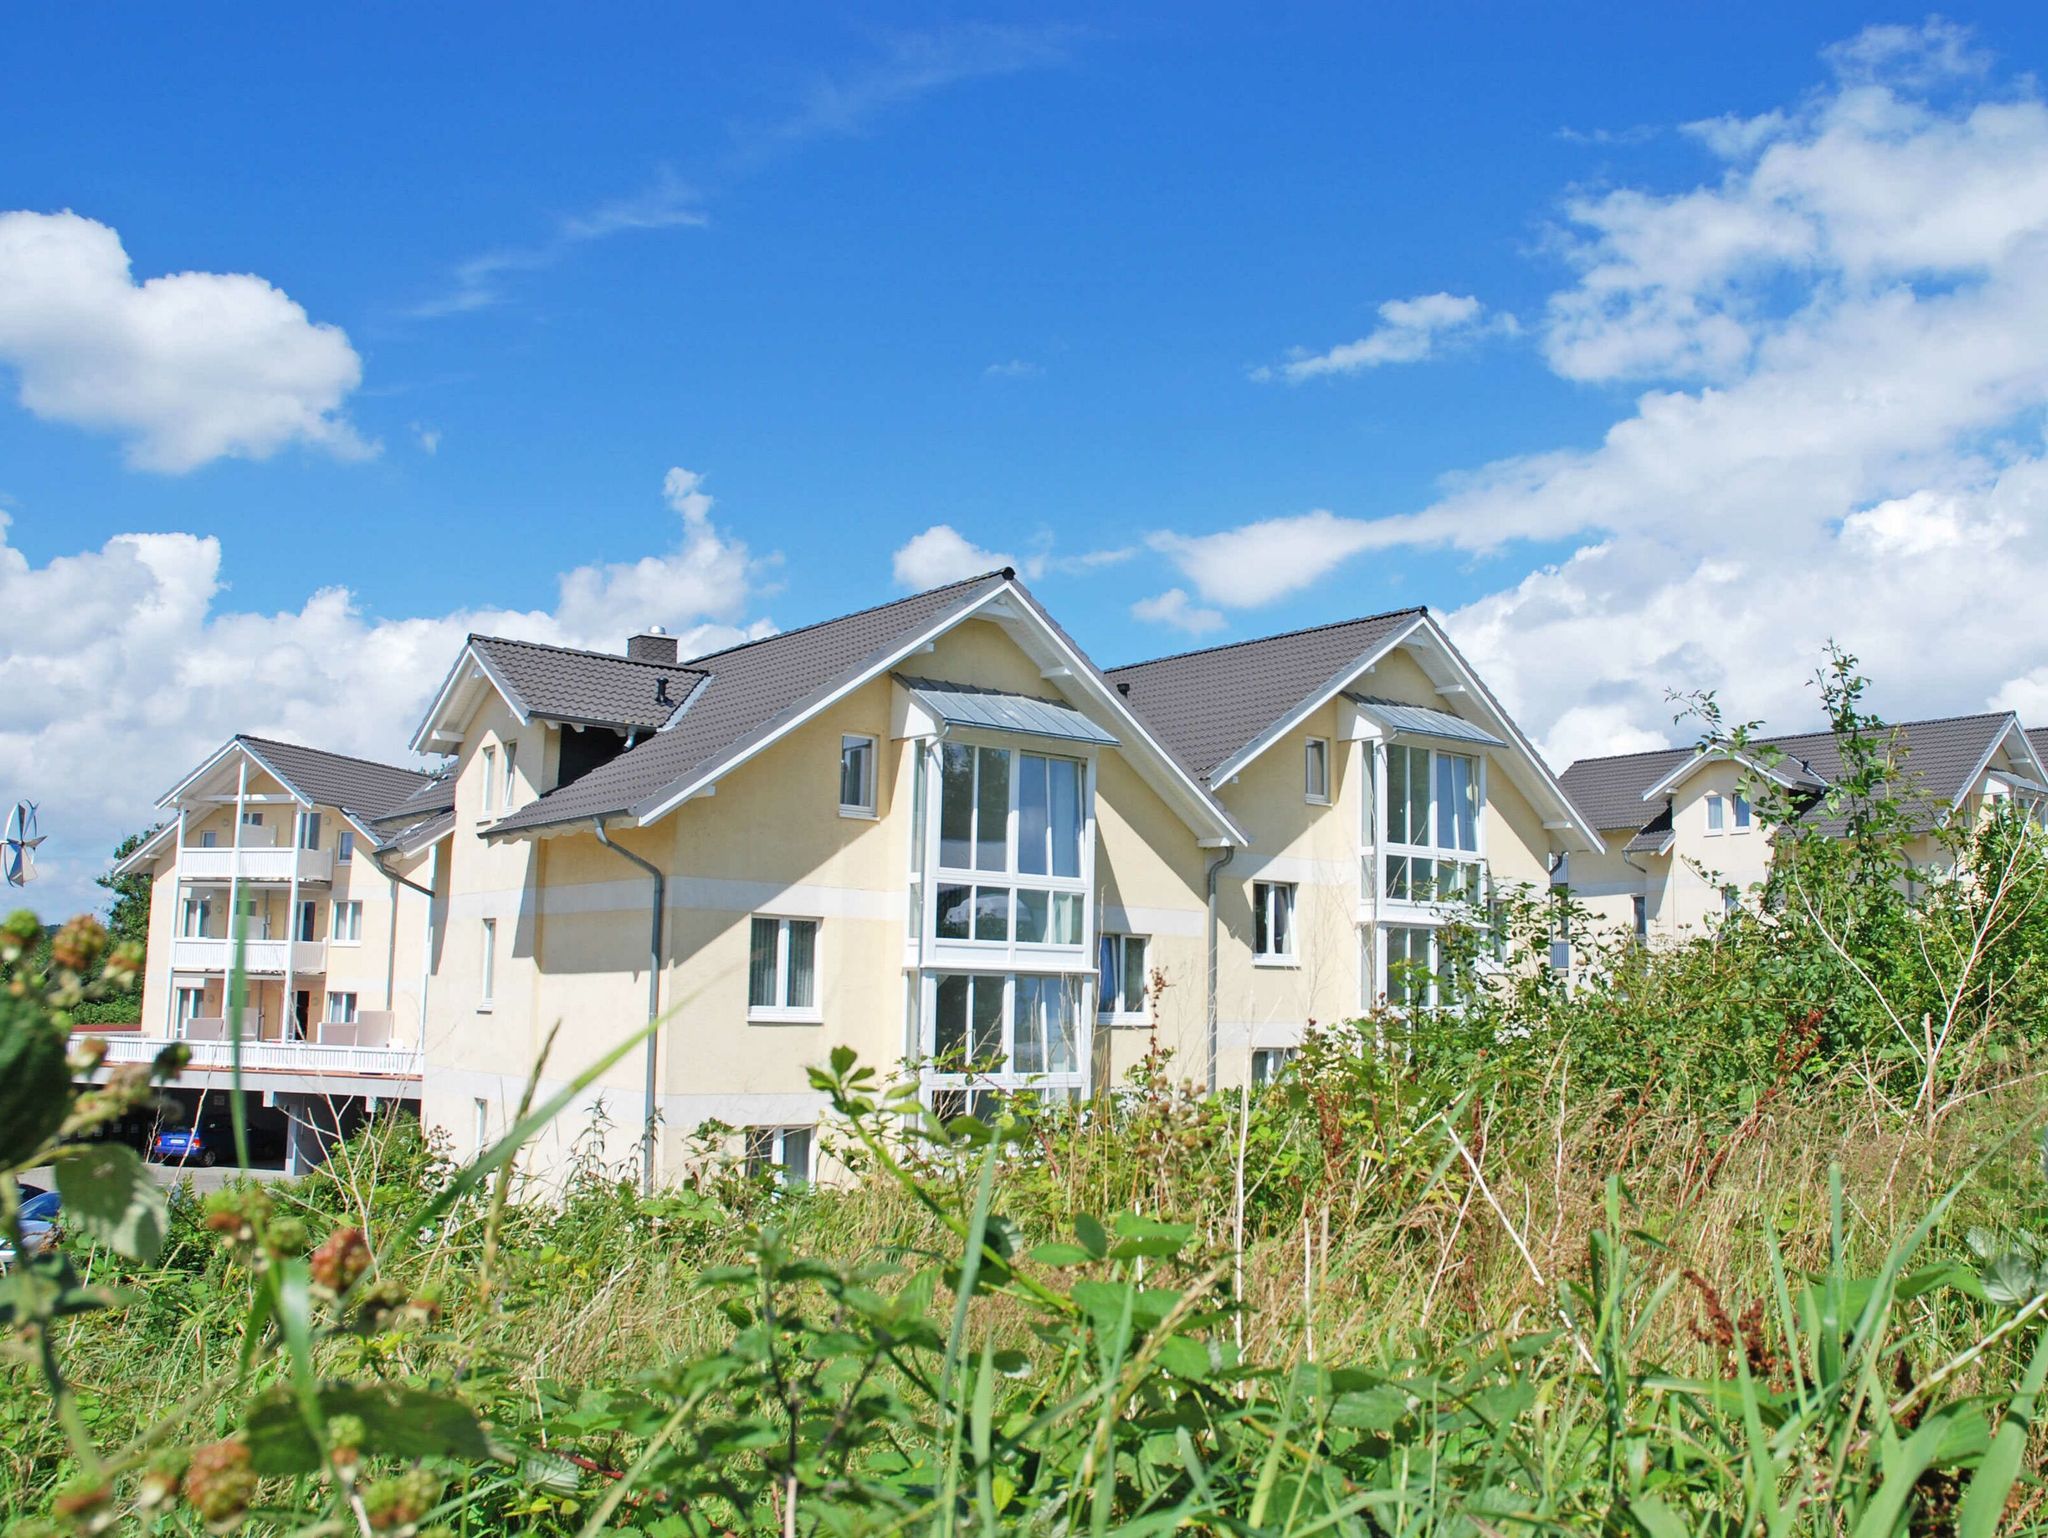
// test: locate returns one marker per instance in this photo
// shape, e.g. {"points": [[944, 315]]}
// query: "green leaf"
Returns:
{"points": [[1657, 1519], [1984, 1499], [1093, 1239], [398, 1423], [108, 1193], [1061, 1255], [35, 1084]]}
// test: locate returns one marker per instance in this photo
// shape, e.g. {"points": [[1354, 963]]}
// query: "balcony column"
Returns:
{"points": [[235, 891], [289, 1017]]}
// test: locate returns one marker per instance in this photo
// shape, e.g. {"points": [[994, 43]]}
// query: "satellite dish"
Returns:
{"points": [[18, 847]]}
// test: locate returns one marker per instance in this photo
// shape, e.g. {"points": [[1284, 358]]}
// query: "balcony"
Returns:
{"points": [[261, 958], [255, 863], [308, 1057]]}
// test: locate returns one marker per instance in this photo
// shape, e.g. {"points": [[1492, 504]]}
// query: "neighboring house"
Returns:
{"points": [[1682, 841], [1382, 789], [332, 941]]}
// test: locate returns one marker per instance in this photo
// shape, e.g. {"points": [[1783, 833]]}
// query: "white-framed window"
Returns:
{"points": [[1717, 812], [345, 924], [1639, 913], [489, 802], [857, 755], [1122, 977], [480, 1131], [1273, 920], [1740, 805], [1415, 969], [1268, 1063], [191, 1005], [195, 918], [511, 776], [781, 1154], [309, 830], [1731, 899], [1368, 806], [209, 839], [489, 958], [341, 1009], [344, 846], [782, 969], [252, 819], [1315, 771], [306, 922], [1011, 835], [1435, 813], [1004, 1030]]}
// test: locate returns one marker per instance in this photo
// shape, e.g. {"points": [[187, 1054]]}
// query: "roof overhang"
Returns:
{"points": [[218, 761], [147, 852], [1060, 663], [1684, 771], [2026, 755], [933, 704], [1447, 668], [440, 731]]}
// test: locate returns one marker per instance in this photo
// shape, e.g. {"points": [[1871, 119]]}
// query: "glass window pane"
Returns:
{"points": [[1033, 917], [956, 806], [1063, 1043], [1066, 817], [1418, 795], [853, 771], [988, 1018], [1283, 920], [803, 963], [991, 913], [1066, 919], [1109, 957], [1714, 812], [1397, 795], [956, 906], [796, 1156], [761, 964], [1033, 812], [1027, 1025], [992, 810], [949, 1025], [1316, 769], [1262, 929], [1368, 810], [1134, 975]]}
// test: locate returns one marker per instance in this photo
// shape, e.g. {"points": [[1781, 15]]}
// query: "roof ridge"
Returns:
{"points": [[1257, 640], [1823, 731], [354, 758], [581, 651], [1007, 573]]}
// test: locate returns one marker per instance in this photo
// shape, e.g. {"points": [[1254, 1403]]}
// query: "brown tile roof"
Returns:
{"points": [[748, 689], [597, 688], [358, 785], [1206, 705]]}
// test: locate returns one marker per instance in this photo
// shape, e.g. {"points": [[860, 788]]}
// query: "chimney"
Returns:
{"points": [[652, 645]]}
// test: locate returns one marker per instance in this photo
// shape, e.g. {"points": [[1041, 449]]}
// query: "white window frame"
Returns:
{"points": [[345, 921], [871, 776], [309, 830], [1110, 1009], [1263, 895], [1716, 814], [305, 923], [344, 846], [802, 1014], [767, 1153], [1314, 751], [182, 1016], [1072, 1082], [194, 914], [341, 1006], [1377, 861], [957, 952], [1268, 1063], [1383, 967], [487, 992], [482, 1127], [489, 755], [1742, 816], [511, 784]]}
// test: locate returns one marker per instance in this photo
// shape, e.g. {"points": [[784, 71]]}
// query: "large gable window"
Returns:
{"points": [[1435, 800], [1010, 843]]}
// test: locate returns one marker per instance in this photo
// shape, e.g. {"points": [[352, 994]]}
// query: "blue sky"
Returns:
{"points": [[1017, 274]]}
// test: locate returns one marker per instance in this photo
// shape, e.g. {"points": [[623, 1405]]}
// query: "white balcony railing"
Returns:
{"points": [[257, 864], [388, 1061], [260, 958]]}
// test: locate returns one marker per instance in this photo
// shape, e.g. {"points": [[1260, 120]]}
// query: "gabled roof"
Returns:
{"points": [[558, 683], [1208, 705], [413, 837], [750, 694], [436, 795], [1945, 756], [359, 785]]}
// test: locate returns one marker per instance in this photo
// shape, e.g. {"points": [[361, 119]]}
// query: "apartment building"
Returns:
{"points": [[1682, 841], [932, 831], [331, 936]]}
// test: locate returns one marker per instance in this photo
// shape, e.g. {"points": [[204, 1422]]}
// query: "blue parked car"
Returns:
{"points": [[41, 1213], [183, 1145]]}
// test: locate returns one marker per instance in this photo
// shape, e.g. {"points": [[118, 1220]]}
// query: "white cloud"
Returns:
{"points": [[187, 368], [123, 665], [1174, 607], [1841, 340], [1013, 368], [428, 438], [1410, 331], [942, 554]]}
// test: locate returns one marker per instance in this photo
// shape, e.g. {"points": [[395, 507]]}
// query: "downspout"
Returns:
{"points": [[427, 942], [1215, 869], [653, 998]]}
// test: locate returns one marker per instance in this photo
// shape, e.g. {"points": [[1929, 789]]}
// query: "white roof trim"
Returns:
{"points": [[1314, 702], [146, 851], [662, 802], [444, 698], [1683, 771], [2012, 725], [232, 745]]}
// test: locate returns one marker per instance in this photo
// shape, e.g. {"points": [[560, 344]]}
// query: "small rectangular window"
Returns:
{"points": [[253, 819], [1268, 1063], [344, 846], [209, 839], [1273, 920], [309, 830], [308, 925], [780, 1154], [341, 1009], [490, 963], [345, 924], [1121, 977], [490, 758], [1716, 814], [511, 781], [481, 1132], [857, 775], [1316, 771], [782, 969], [1741, 812], [1639, 910]]}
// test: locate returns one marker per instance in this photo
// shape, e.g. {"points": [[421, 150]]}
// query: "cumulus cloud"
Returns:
{"points": [[1840, 339], [942, 554], [123, 665], [1173, 607], [1410, 331], [186, 368]]}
